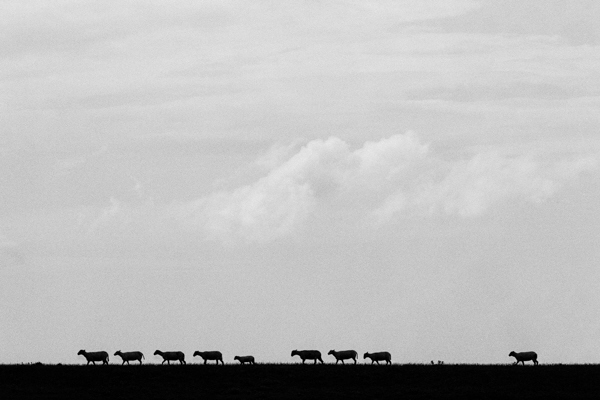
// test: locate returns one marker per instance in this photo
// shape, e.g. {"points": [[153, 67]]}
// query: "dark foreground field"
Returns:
{"points": [[288, 381]]}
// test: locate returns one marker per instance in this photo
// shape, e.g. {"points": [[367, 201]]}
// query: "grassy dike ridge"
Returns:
{"points": [[296, 381]]}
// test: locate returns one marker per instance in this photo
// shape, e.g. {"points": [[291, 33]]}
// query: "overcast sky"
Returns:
{"points": [[415, 176]]}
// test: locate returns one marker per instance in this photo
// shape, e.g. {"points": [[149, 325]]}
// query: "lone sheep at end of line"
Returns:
{"points": [[524, 356], [130, 356], [94, 356]]}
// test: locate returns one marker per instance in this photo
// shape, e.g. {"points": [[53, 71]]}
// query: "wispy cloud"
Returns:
{"points": [[471, 187], [574, 22]]}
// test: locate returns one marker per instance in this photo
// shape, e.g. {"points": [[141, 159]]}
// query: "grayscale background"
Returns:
{"points": [[412, 176]]}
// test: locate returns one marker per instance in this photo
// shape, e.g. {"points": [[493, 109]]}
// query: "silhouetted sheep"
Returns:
{"points": [[244, 359], [130, 356], [210, 355], [169, 356], [344, 355], [94, 356], [381, 356], [524, 356], [308, 355]]}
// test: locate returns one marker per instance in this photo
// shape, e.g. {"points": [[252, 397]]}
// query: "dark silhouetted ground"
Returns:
{"points": [[293, 381]]}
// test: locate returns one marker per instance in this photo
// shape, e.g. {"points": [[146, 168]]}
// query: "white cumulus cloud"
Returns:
{"points": [[382, 181]]}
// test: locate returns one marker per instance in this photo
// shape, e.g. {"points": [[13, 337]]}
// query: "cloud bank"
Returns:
{"points": [[377, 183]]}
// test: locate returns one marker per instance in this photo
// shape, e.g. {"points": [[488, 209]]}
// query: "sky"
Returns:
{"points": [[412, 176]]}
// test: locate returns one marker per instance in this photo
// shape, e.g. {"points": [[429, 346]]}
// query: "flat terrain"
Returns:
{"points": [[294, 381]]}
